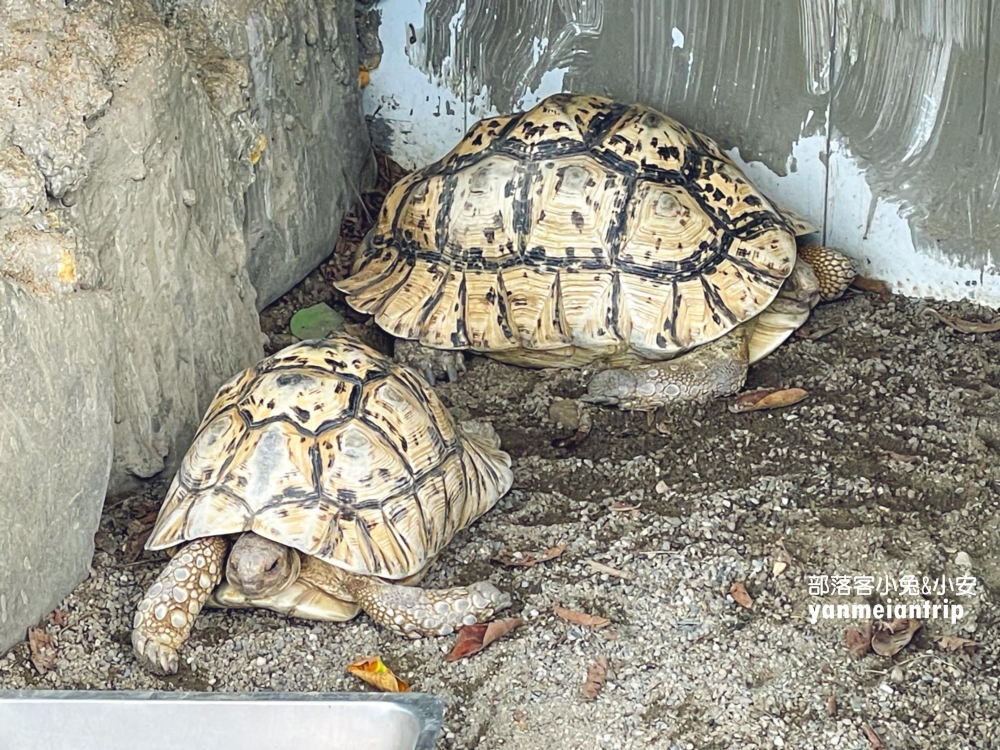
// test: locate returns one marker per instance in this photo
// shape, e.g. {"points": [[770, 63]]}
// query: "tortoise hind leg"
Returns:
{"points": [[433, 364], [416, 612], [164, 617], [715, 369]]}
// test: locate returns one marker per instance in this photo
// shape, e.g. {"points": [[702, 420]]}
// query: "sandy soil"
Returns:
{"points": [[888, 468]]}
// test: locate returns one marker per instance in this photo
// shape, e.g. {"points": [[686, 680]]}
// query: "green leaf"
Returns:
{"points": [[315, 322]]}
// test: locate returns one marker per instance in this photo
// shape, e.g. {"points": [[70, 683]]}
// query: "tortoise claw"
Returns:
{"points": [[164, 616], [433, 364], [158, 658]]}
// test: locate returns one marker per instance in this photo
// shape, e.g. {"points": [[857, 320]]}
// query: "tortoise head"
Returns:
{"points": [[260, 568], [800, 292]]}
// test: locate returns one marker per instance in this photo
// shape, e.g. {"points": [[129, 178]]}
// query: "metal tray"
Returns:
{"points": [[127, 720]]}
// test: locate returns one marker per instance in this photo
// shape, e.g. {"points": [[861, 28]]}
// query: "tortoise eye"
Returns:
{"points": [[272, 566]]}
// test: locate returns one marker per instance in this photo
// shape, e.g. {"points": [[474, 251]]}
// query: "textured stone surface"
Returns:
{"points": [[318, 157], [170, 161], [56, 419], [155, 164], [303, 63]]}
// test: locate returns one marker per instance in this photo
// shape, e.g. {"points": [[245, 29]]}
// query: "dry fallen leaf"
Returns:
{"points": [[361, 216], [43, 653], [901, 457], [374, 671], [344, 251], [831, 706], [474, 638], [581, 618], [767, 398], [571, 441], [58, 617], [891, 637], [364, 77], [469, 642], [955, 643], [619, 507], [965, 326], [874, 740], [581, 430], [527, 559], [608, 570], [499, 628], [871, 285], [815, 334], [739, 593], [859, 640], [138, 530], [597, 674]]}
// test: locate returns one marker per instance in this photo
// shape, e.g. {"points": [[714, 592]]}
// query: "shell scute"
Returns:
{"points": [[333, 449], [579, 225]]}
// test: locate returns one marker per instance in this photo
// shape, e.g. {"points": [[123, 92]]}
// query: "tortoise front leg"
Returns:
{"points": [[416, 612], [165, 615], [710, 371]]}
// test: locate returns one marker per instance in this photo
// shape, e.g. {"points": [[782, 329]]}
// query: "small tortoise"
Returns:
{"points": [[590, 232], [322, 481]]}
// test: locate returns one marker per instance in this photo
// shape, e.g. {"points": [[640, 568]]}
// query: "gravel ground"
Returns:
{"points": [[888, 468]]}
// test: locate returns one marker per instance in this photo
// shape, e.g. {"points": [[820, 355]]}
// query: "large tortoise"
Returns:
{"points": [[322, 481], [589, 232]]}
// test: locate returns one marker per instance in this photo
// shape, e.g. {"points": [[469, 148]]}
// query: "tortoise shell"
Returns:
{"points": [[333, 449], [581, 225]]}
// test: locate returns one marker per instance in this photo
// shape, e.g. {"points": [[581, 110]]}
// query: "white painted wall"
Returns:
{"points": [[869, 228], [429, 116]]}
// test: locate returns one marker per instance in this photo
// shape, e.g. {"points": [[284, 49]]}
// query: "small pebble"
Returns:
{"points": [[565, 412]]}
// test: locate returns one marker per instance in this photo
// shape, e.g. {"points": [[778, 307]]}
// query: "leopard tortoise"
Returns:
{"points": [[322, 481], [590, 232]]}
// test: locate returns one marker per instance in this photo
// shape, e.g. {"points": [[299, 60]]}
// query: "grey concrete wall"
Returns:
{"points": [[56, 422], [303, 63], [166, 170], [917, 95], [878, 120]]}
